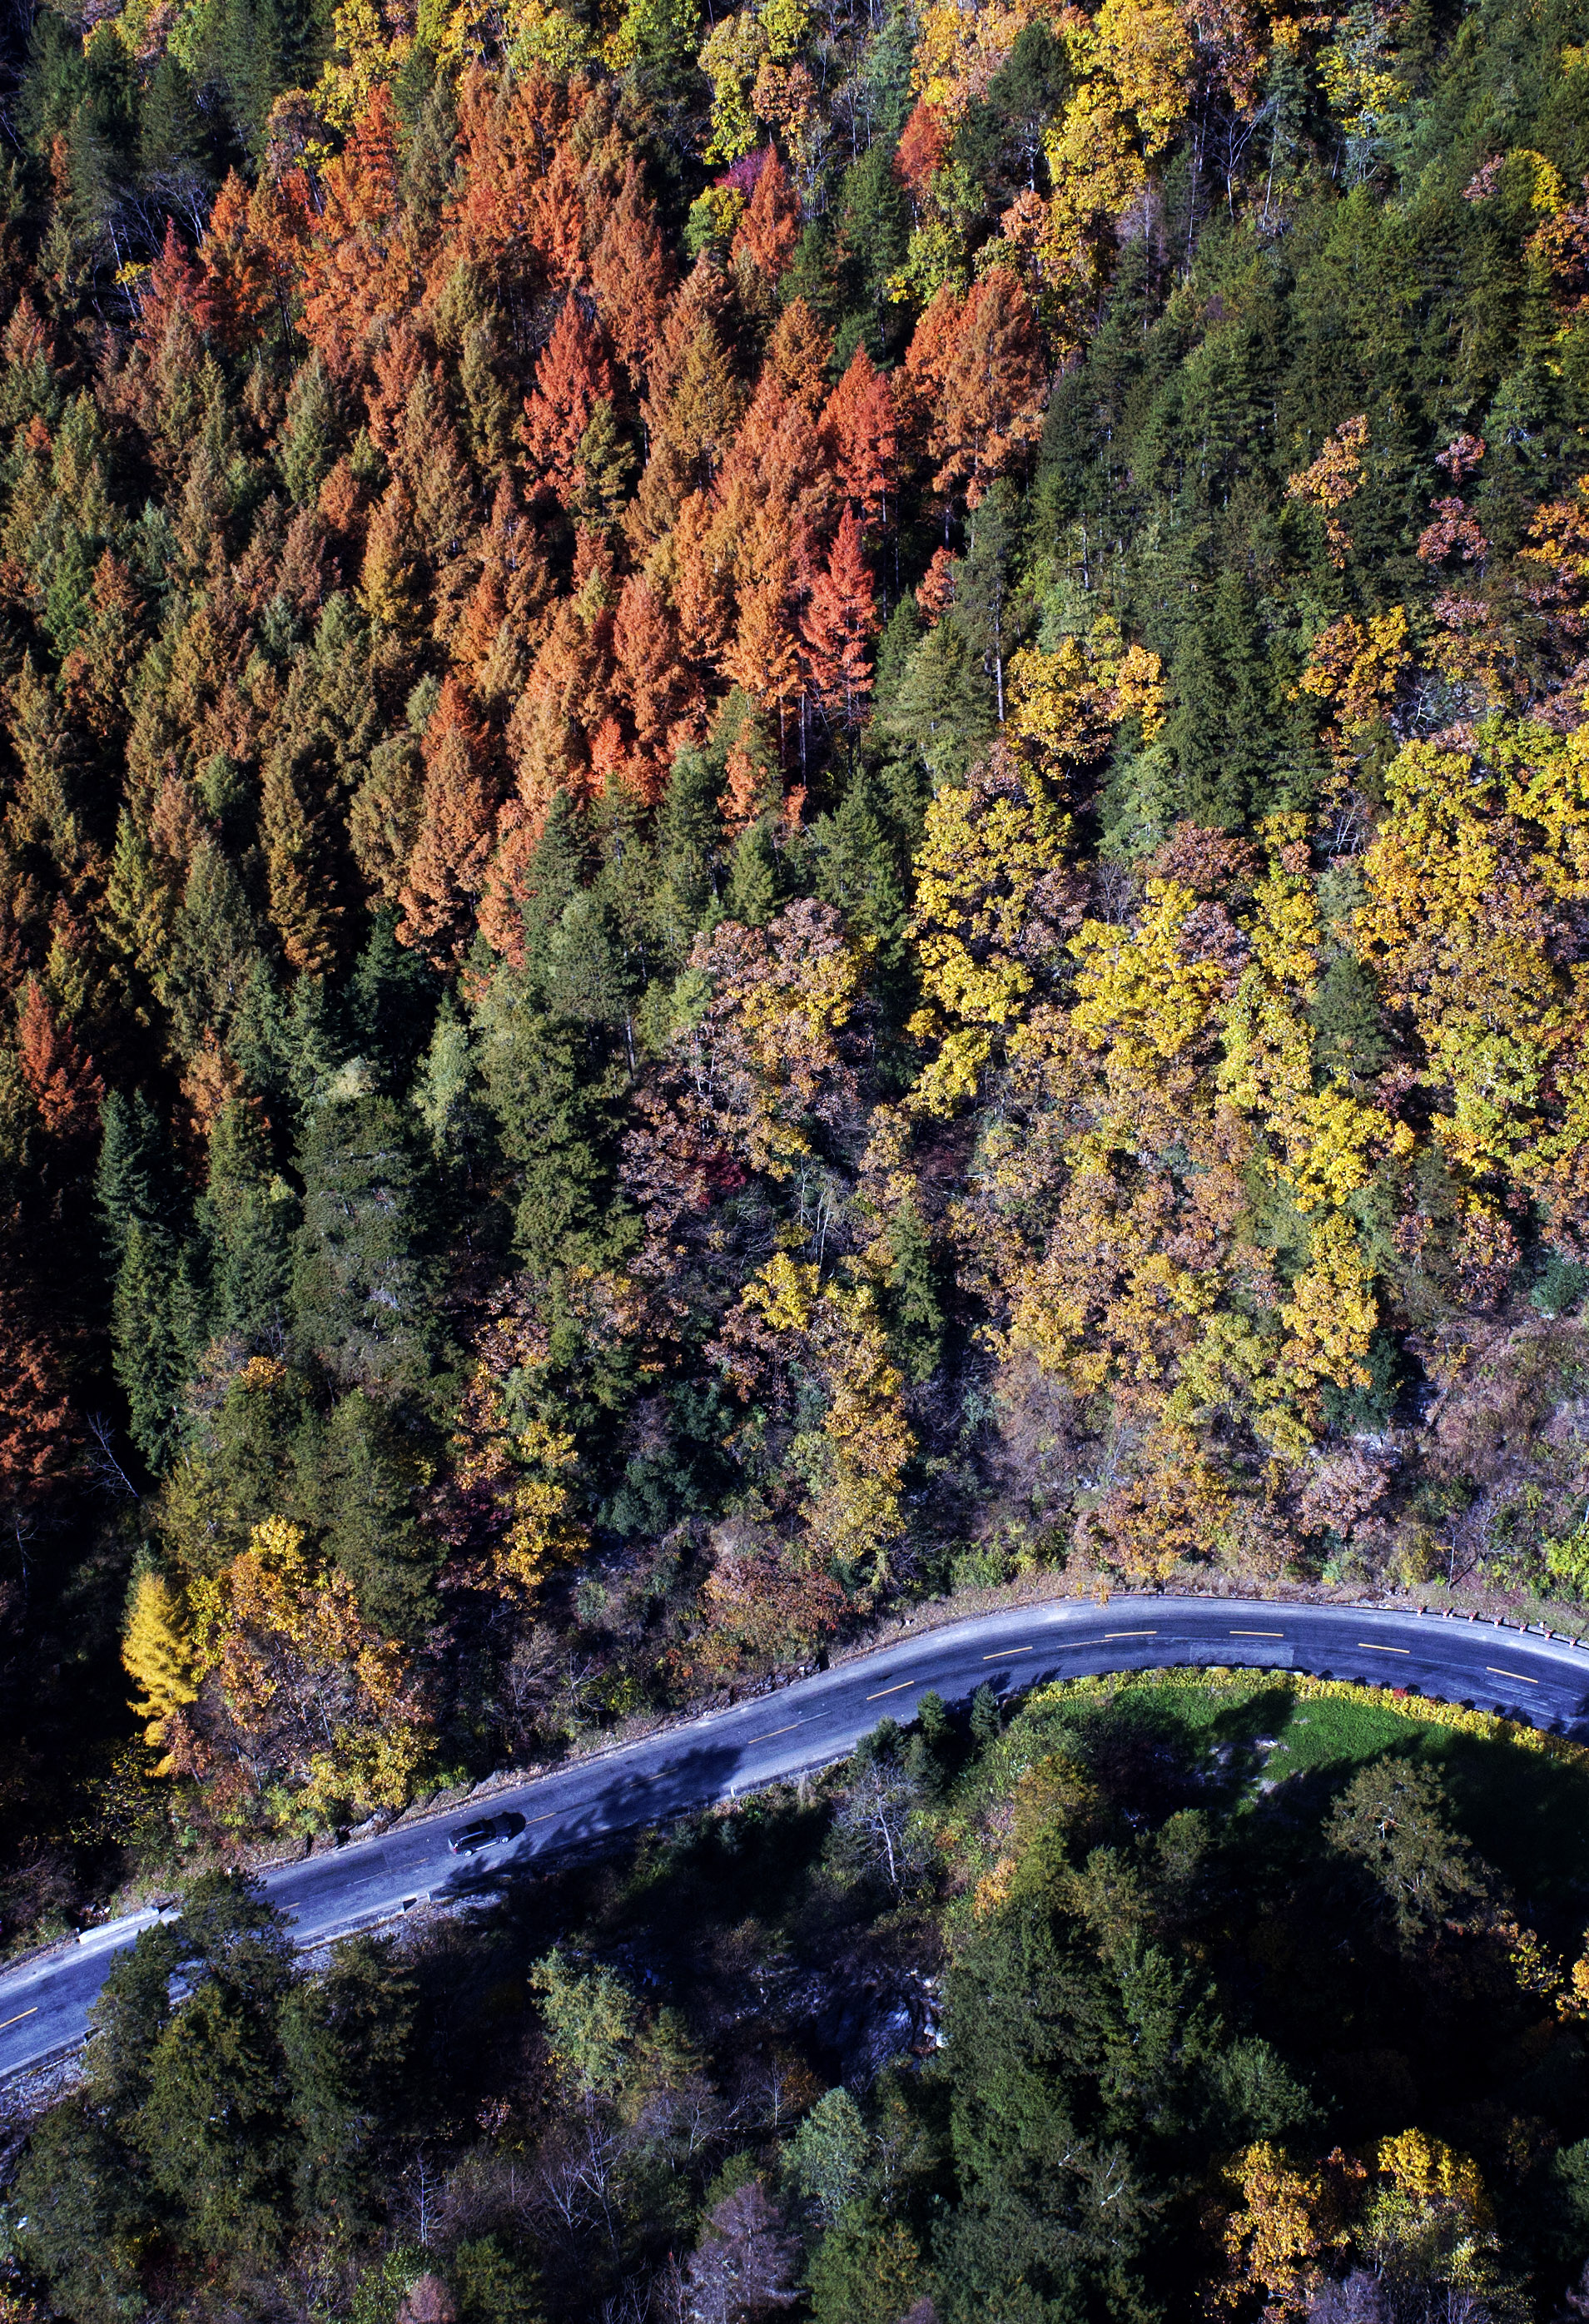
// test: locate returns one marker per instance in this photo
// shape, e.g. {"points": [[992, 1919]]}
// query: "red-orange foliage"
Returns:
{"points": [[36, 1430], [861, 429], [934, 591], [839, 625], [918, 384], [749, 785], [920, 154], [446, 870], [556, 219], [762, 657], [65, 1086], [770, 231], [175, 286], [238, 283], [646, 677], [492, 639], [508, 128], [357, 269], [632, 275], [702, 605], [990, 405], [798, 355], [572, 377]]}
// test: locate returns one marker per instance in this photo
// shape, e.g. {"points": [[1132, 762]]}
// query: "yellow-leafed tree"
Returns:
{"points": [[158, 1655]]}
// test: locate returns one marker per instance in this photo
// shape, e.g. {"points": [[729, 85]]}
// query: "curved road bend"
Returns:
{"points": [[1527, 1675]]}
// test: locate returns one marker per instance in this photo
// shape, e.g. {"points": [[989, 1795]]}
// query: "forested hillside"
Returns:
{"points": [[1212, 2004], [795, 807]]}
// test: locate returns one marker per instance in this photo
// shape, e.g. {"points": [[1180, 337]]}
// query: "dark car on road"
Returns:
{"points": [[468, 1836]]}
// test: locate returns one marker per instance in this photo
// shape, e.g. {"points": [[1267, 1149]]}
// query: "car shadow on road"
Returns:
{"points": [[689, 1778]]}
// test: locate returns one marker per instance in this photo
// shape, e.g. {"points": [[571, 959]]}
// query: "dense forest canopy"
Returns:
{"points": [[796, 808]]}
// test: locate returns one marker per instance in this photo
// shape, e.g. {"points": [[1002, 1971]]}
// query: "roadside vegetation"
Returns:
{"points": [[794, 814], [1167, 2000]]}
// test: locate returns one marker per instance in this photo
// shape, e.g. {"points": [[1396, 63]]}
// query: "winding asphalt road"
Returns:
{"points": [[1527, 1674]]}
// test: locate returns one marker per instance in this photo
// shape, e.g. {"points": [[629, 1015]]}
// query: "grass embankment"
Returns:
{"points": [[1521, 1797]]}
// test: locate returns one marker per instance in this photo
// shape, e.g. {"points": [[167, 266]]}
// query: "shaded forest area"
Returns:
{"points": [[795, 809], [1209, 2001]]}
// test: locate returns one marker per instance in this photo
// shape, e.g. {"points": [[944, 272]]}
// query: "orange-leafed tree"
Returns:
{"points": [[357, 271], [990, 408], [861, 430], [492, 641], [37, 1435], [458, 817], [507, 132], [572, 377], [701, 588], [769, 233], [839, 625], [175, 286], [918, 385], [238, 284], [632, 275], [646, 677], [66, 1088], [762, 656], [558, 219], [920, 153]]}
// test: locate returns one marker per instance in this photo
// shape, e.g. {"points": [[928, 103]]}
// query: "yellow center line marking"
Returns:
{"points": [[1365, 1647], [549, 1817], [21, 2013], [1129, 1634], [783, 1730], [1008, 1652], [1258, 1634], [1522, 1677], [881, 1690]]}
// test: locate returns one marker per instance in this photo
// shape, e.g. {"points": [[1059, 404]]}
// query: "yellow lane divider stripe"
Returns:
{"points": [[774, 1732], [1129, 1634], [1521, 1677], [1258, 1634], [1008, 1652], [1365, 1647], [21, 2013], [881, 1690]]}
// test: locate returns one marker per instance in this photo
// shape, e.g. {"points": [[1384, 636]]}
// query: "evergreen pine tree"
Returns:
{"points": [[363, 1485], [688, 840], [391, 1003], [556, 876], [247, 1216], [554, 1112], [361, 1278], [147, 1340], [136, 1182], [752, 894]]}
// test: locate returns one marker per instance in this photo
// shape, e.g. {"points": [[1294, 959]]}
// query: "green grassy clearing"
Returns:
{"points": [[1528, 1815]]}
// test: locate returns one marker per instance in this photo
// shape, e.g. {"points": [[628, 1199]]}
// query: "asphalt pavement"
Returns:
{"points": [[1526, 1675]]}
